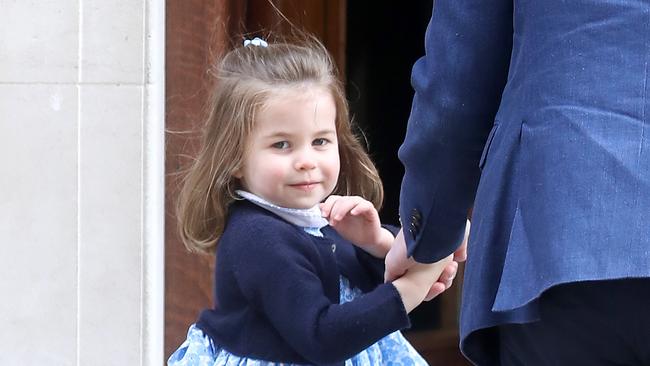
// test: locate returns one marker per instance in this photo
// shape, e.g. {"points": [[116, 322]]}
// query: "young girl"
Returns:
{"points": [[299, 271]]}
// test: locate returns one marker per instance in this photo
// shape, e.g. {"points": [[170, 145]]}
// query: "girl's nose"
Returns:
{"points": [[305, 161]]}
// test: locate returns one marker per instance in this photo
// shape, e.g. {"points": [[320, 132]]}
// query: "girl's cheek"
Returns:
{"points": [[277, 172]]}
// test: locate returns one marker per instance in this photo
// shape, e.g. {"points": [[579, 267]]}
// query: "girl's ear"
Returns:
{"points": [[237, 173]]}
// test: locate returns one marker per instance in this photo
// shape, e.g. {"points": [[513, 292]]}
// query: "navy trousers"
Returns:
{"points": [[585, 323]]}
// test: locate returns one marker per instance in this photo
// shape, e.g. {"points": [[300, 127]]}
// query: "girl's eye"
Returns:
{"points": [[281, 145], [320, 142]]}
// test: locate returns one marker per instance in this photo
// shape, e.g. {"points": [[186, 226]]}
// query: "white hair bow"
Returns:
{"points": [[255, 42]]}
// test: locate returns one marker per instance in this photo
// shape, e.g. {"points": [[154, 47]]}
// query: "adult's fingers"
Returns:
{"points": [[435, 290], [460, 255], [448, 274]]}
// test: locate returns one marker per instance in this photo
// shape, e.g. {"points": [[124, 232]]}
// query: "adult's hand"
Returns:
{"points": [[397, 264], [460, 255]]}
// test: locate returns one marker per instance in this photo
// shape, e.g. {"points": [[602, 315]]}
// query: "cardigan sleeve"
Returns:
{"points": [[373, 265], [278, 274]]}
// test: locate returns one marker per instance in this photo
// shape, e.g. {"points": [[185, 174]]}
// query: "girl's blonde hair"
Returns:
{"points": [[246, 78]]}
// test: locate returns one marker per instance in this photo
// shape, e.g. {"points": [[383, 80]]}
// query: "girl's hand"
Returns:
{"points": [[357, 220]]}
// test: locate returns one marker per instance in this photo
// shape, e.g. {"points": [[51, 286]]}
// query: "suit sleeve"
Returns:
{"points": [[281, 280], [458, 86]]}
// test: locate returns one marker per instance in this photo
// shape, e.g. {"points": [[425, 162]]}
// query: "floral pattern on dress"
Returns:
{"points": [[199, 350], [393, 350]]}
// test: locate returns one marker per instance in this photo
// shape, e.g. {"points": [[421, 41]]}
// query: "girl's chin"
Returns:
{"points": [[304, 203]]}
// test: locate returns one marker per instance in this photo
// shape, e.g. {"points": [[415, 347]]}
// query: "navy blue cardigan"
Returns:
{"points": [[277, 293]]}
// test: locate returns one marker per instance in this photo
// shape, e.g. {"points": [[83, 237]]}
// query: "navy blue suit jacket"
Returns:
{"points": [[534, 113]]}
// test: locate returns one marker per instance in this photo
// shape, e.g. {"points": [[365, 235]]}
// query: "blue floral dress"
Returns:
{"points": [[199, 349]]}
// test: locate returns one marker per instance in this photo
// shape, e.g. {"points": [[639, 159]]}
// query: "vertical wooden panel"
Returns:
{"points": [[197, 32], [323, 18], [335, 34]]}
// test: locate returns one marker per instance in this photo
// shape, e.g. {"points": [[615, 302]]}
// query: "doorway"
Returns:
{"points": [[383, 42]]}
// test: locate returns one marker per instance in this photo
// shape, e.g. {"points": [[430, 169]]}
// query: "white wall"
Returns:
{"points": [[81, 182]]}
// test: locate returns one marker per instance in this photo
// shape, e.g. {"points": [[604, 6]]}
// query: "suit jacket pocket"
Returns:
{"points": [[488, 142]]}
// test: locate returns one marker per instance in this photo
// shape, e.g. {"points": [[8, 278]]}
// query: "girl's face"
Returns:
{"points": [[293, 157]]}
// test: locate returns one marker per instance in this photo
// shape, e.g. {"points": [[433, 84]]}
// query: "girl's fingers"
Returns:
{"points": [[326, 207], [342, 207], [363, 208], [396, 260], [445, 281], [340, 210]]}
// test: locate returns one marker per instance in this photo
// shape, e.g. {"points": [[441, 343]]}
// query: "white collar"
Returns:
{"points": [[303, 217]]}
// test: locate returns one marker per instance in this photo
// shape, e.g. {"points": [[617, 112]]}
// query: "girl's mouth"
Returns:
{"points": [[305, 186]]}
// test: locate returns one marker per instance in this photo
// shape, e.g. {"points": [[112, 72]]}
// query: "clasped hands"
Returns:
{"points": [[357, 220], [441, 273]]}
